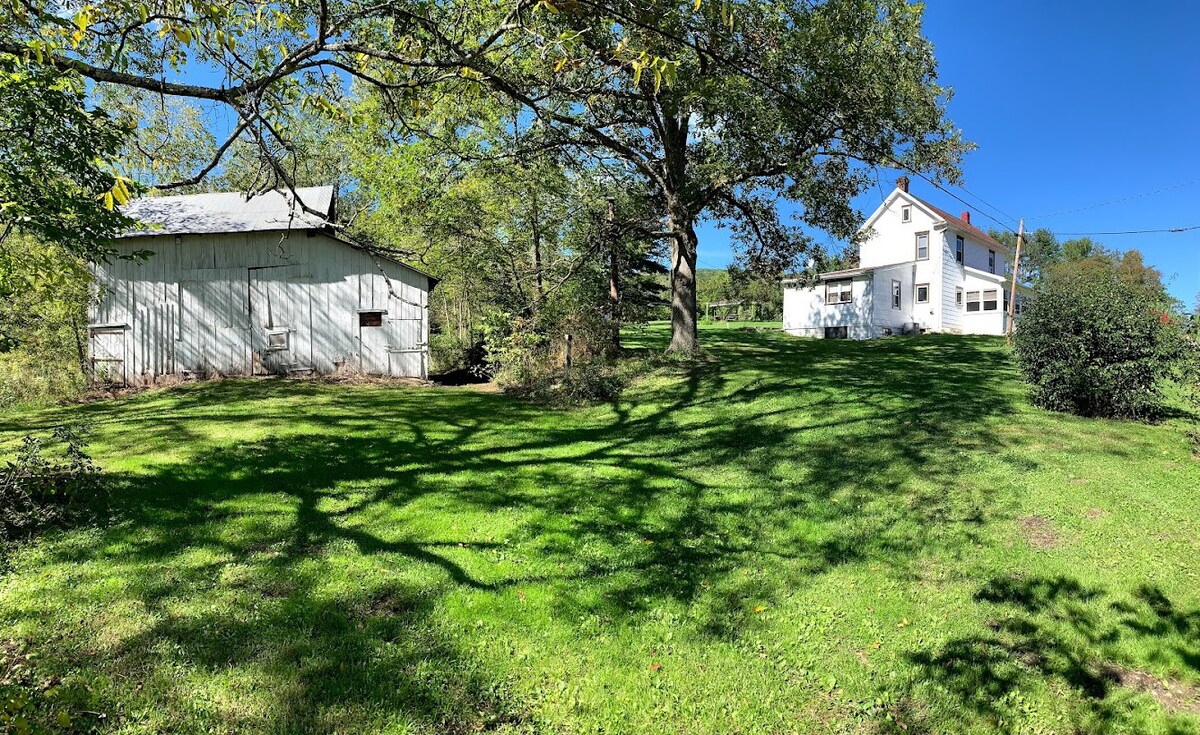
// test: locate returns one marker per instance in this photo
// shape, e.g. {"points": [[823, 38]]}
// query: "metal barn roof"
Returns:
{"points": [[222, 212]]}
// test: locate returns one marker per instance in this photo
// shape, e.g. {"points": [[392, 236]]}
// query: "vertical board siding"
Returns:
{"points": [[194, 306]]}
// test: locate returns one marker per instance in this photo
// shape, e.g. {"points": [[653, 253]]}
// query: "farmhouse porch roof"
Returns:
{"points": [[847, 273]]}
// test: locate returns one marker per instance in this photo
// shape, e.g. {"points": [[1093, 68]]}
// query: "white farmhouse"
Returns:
{"points": [[237, 286], [920, 269]]}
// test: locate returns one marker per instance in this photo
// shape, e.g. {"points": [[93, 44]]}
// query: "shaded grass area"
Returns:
{"points": [[791, 535]]}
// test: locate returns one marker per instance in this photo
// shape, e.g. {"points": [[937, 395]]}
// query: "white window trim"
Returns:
{"points": [[897, 295], [977, 300], [917, 245], [995, 300], [906, 213], [960, 249], [843, 287], [917, 293], [959, 298]]}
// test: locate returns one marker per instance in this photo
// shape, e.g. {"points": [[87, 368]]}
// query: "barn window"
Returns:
{"points": [[277, 339], [371, 318]]}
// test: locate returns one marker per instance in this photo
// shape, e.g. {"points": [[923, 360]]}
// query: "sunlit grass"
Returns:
{"points": [[794, 535]]}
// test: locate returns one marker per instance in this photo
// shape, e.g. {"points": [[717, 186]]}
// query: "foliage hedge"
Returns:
{"points": [[1094, 345]]}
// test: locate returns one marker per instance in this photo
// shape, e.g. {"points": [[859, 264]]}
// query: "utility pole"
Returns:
{"points": [[1012, 294]]}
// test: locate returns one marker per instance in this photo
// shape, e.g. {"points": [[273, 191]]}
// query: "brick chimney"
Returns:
{"points": [[902, 184], [966, 217]]}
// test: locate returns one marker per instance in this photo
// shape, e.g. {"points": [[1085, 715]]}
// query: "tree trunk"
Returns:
{"points": [[536, 245], [683, 282], [614, 284]]}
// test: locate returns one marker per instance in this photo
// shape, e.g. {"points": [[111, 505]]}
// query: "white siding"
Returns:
{"points": [[209, 303], [984, 322], [805, 312]]}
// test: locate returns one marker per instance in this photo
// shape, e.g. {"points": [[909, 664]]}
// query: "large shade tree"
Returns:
{"points": [[721, 108]]}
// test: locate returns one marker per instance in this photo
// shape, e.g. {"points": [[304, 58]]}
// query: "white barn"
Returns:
{"points": [[921, 269], [238, 286]]}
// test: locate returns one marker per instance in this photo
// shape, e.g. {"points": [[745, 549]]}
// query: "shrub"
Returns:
{"points": [[1093, 345], [595, 381], [37, 490]]}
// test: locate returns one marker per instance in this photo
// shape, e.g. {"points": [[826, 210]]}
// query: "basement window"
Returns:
{"points": [[371, 318], [990, 300], [838, 292], [972, 301]]}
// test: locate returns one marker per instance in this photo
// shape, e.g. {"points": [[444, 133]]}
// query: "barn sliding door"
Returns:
{"points": [[279, 320]]}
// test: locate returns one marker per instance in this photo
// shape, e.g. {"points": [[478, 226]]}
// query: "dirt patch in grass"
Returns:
{"points": [[1173, 696], [1039, 532], [1095, 514]]}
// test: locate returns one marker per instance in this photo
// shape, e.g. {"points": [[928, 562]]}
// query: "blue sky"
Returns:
{"points": [[1071, 104]]}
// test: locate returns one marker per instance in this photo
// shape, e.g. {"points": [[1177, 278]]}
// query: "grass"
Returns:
{"points": [[793, 536]]}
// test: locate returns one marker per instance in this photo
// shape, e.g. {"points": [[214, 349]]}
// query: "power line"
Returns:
{"points": [[1117, 201], [1130, 232]]}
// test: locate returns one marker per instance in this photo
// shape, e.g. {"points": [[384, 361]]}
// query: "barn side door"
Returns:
{"points": [[107, 347], [406, 339]]}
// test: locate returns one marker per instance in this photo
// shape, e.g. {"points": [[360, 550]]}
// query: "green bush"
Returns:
{"points": [[595, 381], [1093, 345]]}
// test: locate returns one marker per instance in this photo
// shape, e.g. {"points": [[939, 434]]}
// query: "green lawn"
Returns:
{"points": [[794, 536]]}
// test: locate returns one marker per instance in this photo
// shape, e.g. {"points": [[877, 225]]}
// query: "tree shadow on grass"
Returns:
{"points": [[1056, 630], [782, 456]]}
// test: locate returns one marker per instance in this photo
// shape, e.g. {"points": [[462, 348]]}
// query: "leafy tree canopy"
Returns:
{"points": [[54, 183], [720, 109]]}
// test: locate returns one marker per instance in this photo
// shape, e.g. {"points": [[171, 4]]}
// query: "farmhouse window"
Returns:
{"points": [[370, 318], [991, 261], [958, 297], [989, 300], [896, 294], [906, 214], [838, 292], [922, 246], [972, 301], [922, 293], [959, 248]]}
